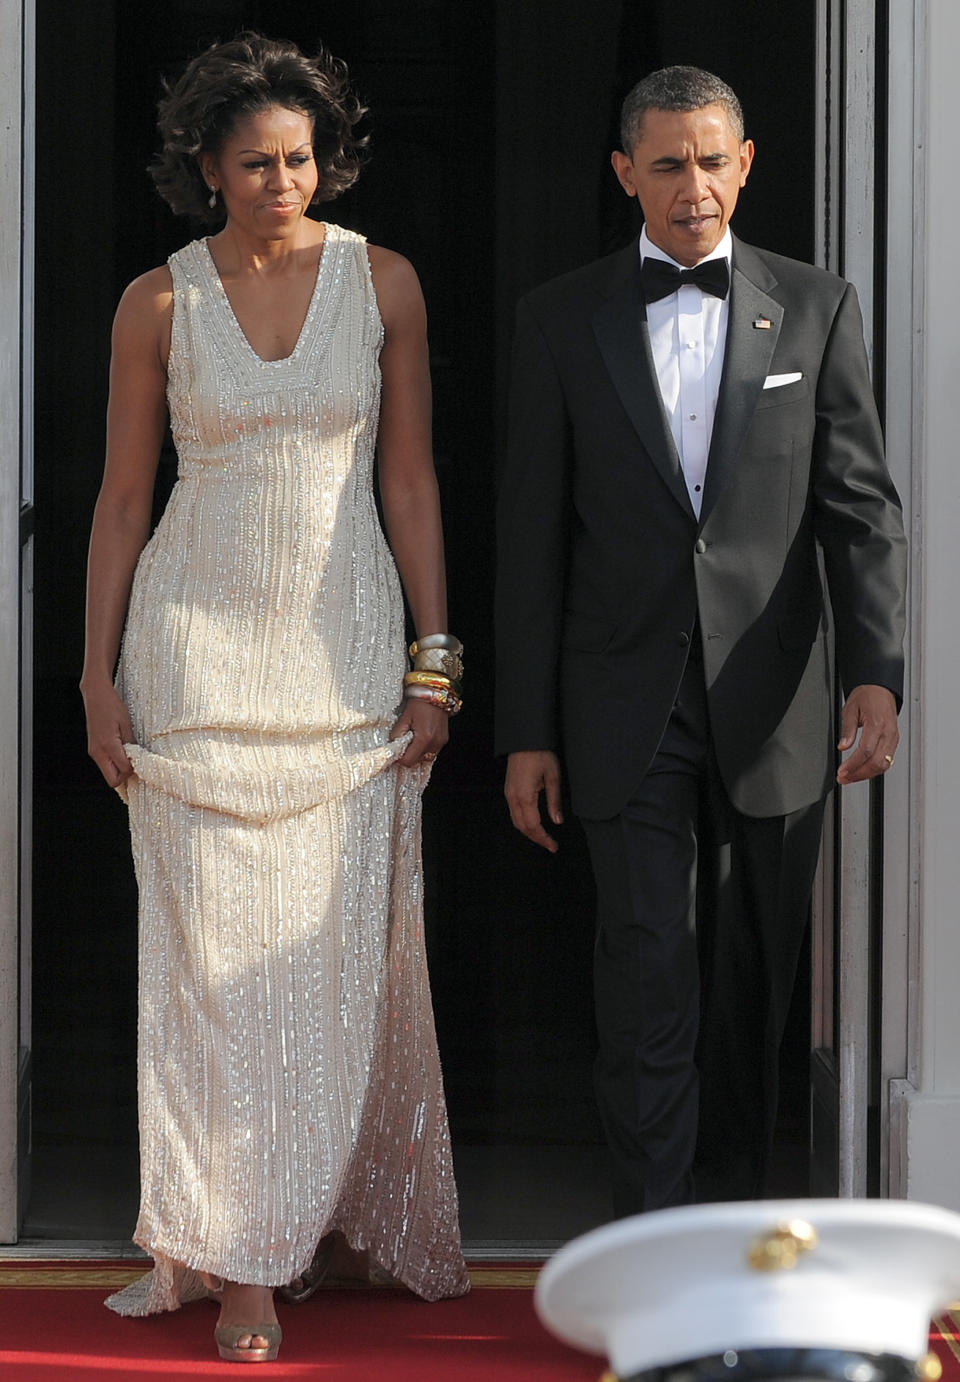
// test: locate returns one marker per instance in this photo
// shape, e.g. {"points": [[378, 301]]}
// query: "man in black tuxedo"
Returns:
{"points": [[688, 453]]}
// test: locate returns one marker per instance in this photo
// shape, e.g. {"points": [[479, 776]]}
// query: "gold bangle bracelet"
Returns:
{"points": [[435, 679], [426, 678]]}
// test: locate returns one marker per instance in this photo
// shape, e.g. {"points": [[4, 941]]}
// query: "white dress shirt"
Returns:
{"points": [[688, 333]]}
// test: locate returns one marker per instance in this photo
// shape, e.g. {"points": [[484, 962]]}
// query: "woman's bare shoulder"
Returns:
{"points": [[390, 266], [395, 282], [145, 312], [150, 295]]}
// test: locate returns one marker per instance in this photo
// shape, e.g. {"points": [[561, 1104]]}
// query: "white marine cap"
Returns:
{"points": [[863, 1276]]}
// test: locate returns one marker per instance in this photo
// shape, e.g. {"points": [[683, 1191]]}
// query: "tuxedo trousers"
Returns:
{"points": [[701, 918]]}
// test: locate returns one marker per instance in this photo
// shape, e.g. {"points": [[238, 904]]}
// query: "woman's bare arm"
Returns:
{"points": [[136, 418], [408, 482]]}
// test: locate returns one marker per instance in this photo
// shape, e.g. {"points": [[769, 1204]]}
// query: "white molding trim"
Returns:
{"points": [[857, 177], [827, 143], [925, 1106], [11, 121], [904, 423], [928, 1135]]}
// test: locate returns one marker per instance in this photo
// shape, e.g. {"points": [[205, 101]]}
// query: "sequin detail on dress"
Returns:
{"points": [[289, 1079]]}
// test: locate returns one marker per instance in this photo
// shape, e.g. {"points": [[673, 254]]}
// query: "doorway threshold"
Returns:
{"points": [[87, 1250], [510, 1250], [70, 1250]]}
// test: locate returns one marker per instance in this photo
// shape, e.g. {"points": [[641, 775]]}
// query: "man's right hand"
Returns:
{"points": [[528, 774]]}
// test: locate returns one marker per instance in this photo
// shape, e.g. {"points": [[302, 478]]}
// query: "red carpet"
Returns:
{"points": [[945, 1342], [54, 1328]]}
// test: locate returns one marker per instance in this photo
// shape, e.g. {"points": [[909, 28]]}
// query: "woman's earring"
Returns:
{"points": [[213, 198]]}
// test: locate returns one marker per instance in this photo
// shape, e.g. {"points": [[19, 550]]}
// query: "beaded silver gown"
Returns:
{"points": [[289, 1082]]}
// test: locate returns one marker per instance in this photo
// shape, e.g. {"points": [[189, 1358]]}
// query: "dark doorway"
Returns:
{"points": [[491, 129]]}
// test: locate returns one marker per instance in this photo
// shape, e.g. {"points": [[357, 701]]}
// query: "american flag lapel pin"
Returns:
{"points": [[762, 324]]}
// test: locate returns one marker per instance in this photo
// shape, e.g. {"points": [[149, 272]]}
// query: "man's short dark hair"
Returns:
{"points": [[676, 88]]}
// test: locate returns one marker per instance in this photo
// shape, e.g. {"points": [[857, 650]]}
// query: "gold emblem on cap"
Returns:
{"points": [[782, 1247], [929, 1368]]}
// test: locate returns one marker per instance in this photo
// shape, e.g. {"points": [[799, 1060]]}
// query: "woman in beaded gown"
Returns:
{"points": [[289, 1082]]}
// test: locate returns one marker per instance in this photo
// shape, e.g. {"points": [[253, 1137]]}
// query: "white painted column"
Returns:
{"points": [[925, 1103], [11, 125]]}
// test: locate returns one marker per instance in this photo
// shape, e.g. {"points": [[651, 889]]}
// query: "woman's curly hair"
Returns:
{"points": [[230, 80]]}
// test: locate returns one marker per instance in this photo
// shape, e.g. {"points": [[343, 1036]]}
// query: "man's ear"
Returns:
{"points": [[623, 167], [746, 160]]}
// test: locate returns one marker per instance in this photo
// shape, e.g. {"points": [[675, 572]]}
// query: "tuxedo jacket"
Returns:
{"points": [[605, 574]]}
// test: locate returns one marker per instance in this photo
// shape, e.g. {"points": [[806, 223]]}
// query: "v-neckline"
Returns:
{"points": [[224, 299]]}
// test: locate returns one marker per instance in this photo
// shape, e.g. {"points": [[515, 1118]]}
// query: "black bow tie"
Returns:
{"points": [[660, 279]]}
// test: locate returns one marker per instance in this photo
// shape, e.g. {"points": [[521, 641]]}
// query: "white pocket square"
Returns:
{"points": [[777, 381]]}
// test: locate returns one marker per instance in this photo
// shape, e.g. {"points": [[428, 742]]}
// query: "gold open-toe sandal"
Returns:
{"points": [[229, 1335]]}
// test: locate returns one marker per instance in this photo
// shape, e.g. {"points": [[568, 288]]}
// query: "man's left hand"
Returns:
{"points": [[872, 711]]}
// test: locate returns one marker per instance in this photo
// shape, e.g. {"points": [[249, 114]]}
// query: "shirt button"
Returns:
{"points": [[701, 547], [693, 417]]}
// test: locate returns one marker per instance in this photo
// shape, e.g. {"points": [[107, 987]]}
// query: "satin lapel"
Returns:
{"points": [[620, 327], [746, 364]]}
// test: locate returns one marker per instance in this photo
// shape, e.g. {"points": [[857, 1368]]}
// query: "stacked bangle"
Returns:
{"points": [[446, 700], [438, 660], [437, 640], [437, 680], [437, 672]]}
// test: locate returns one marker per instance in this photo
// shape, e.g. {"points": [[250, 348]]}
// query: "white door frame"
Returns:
{"points": [[905, 389], [16, 560], [919, 869], [857, 858], [846, 140], [924, 365]]}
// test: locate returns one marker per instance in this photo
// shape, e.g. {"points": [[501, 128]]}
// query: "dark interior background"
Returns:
{"points": [[491, 128]]}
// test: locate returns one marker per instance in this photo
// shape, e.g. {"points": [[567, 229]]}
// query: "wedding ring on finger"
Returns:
{"points": [[888, 759], [429, 757]]}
